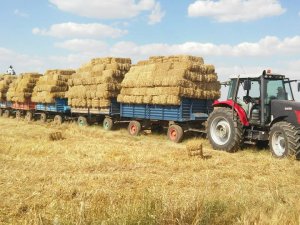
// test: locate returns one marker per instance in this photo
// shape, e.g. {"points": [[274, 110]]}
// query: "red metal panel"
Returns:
{"points": [[28, 105], [240, 111]]}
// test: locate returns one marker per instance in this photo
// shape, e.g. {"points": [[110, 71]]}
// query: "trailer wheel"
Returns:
{"points": [[18, 115], [224, 133], [43, 117], [285, 140], [175, 133], [1, 112], [134, 128], [29, 116], [108, 123], [82, 121], [6, 113], [58, 120]]}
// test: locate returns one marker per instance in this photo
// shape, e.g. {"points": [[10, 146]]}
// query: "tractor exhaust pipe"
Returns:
{"points": [[262, 99]]}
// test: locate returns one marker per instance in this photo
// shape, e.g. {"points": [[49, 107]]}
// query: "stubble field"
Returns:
{"points": [[97, 177]]}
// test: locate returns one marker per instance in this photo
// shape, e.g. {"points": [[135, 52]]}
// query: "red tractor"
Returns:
{"points": [[258, 110]]}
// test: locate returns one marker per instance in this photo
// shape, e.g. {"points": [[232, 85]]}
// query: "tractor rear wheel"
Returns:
{"points": [[224, 132], [134, 128], [285, 140], [175, 133]]}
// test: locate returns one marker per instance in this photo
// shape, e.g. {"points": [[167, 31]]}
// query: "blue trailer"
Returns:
{"points": [[58, 111], [190, 115], [87, 115]]}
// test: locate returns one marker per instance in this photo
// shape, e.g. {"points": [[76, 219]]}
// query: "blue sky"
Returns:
{"points": [[237, 36]]}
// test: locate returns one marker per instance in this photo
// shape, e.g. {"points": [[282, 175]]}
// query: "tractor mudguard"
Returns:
{"points": [[239, 110]]}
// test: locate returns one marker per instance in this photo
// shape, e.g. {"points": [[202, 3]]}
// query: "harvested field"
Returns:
{"points": [[95, 177]]}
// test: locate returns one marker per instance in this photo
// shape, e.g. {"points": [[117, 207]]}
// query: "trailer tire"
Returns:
{"points": [[82, 121], [43, 117], [175, 133], [6, 113], [18, 114], [58, 120], [285, 140], [224, 133], [29, 116], [108, 123], [134, 128]]}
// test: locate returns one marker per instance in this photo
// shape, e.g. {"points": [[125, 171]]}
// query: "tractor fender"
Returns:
{"points": [[239, 110], [278, 119]]}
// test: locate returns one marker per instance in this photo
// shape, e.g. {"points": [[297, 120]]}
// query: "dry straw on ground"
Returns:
{"points": [[165, 80], [53, 84], [97, 82], [98, 177], [20, 90]]}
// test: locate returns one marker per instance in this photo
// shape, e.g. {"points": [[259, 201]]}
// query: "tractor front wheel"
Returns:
{"points": [[285, 140], [225, 130]]}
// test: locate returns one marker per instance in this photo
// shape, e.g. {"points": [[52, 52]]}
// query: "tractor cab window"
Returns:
{"points": [[275, 90]]}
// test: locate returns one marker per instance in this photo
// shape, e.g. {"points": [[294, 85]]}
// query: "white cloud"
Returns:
{"points": [[20, 62], [77, 30], [83, 45], [156, 15], [268, 46], [18, 12], [114, 9], [235, 10]]}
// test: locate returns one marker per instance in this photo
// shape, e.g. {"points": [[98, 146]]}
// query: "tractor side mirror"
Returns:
{"points": [[247, 85]]}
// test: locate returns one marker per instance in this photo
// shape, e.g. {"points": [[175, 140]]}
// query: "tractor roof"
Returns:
{"points": [[267, 75]]}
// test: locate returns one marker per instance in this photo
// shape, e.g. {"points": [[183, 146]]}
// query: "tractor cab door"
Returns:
{"points": [[275, 90]]}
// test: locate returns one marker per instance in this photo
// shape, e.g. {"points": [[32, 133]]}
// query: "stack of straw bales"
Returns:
{"points": [[54, 84], [165, 80], [96, 82], [21, 89], [5, 81]]}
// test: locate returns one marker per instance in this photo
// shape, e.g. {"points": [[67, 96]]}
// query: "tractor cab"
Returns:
{"points": [[256, 94], [259, 109]]}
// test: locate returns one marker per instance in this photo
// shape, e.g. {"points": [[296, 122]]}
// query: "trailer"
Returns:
{"points": [[87, 116], [58, 111], [190, 115], [20, 109], [5, 107]]}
